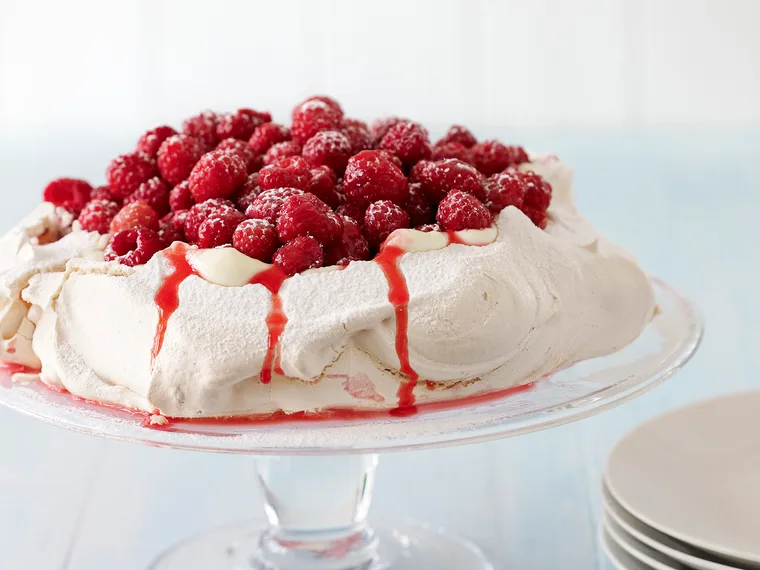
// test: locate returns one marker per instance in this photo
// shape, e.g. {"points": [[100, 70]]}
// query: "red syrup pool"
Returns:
{"points": [[272, 279]]}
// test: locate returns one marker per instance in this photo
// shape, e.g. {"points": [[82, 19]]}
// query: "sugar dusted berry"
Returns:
{"points": [[180, 197], [452, 150], [382, 218], [358, 135], [203, 127], [322, 185], [407, 140], [306, 214], [126, 172], [171, 227], [256, 239], [428, 228], [248, 192], [69, 193], [301, 254], [104, 193], [417, 206], [150, 142], [153, 192], [311, 117], [218, 228], [177, 156], [238, 125], [438, 178], [458, 134], [281, 150], [291, 172], [538, 192], [329, 101], [381, 126], [491, 156], [328, 148], [135, 215], [97, 216], [218, 174], [133, 246], [267, 205], [267, 135], [538, 217], [370, 176], [352, 210], [504, 189], [199, 212], [462, 211], [351, 244], [242, 149]]}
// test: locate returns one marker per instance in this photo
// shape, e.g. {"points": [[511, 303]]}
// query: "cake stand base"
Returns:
{"points": [[406, 547]]}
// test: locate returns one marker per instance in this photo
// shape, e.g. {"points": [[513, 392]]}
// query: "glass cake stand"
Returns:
{"points": [[317, 476]]}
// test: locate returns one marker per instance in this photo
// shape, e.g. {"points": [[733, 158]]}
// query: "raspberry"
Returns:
{"points": [[150, 142], [458, 134], [393, 158], [538, 192], [200, 212], [154, 192], [370, 177], [416, 172], [308, 215], [203, 127], [381, 126], [135, 215], [267, 205], [322, 185], [257, 117], [242, 149], [428, 228], [538, 217], [311, 117], [256, 239], [97, 215], [417, 206], [329, 101], [171, 227], [239, 125], [180, 197], [279, 151], [452, 150], [349, 122], [104, 193], [438, 178], [382, 218], [267, 135], [462, 211], [301, 254], [69, 193], [291, 172], [248, 192], [352, 210], [329, 148], [491, 156], [358, 135], [351, 244], [126, 172], [217, 229], [504, 189], [408, 141], [177, 156], [218, 174], [133, 246]]}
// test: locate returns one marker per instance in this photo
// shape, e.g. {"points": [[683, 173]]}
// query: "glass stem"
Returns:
{"points": [[317, 509]]}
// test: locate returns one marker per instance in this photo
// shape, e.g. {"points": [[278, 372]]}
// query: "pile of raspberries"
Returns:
{"points": [[328, 190]]}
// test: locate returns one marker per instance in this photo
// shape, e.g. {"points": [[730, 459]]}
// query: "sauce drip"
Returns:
{"points": [[272, 279], [167, 296], [398, 295]]}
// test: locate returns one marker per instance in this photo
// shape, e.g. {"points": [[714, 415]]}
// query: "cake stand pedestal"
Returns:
{"points": [[317, 476]]}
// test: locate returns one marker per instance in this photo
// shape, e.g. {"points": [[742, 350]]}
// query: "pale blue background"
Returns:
{"points": [[685, 202]]}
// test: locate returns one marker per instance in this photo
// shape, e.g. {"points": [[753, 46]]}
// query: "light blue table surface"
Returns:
{"points": [[685, 203]]}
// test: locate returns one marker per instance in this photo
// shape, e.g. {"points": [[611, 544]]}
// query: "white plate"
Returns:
{"points": [[694, 474], [649, 557], [619, 557], [661, 542]]}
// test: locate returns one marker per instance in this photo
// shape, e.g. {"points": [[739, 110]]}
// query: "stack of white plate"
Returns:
{"points": [[683, 490]]}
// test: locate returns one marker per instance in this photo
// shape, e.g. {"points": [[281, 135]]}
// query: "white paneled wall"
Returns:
{"points": [[98, 65]]}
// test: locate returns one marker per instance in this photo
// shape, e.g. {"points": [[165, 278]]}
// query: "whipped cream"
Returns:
{"points": [[488, 309]]}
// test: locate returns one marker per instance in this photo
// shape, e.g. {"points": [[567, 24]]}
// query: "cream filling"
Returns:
{"points": [[520, 305]]}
